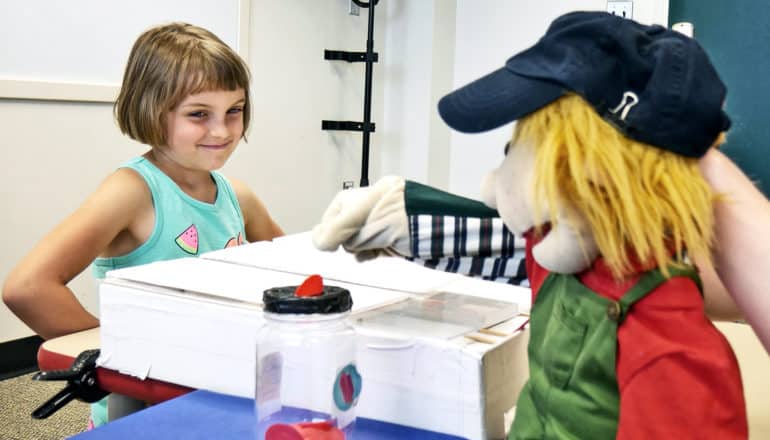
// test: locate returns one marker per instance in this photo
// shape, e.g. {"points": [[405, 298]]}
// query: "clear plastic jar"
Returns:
{"points": [[306, 370]]}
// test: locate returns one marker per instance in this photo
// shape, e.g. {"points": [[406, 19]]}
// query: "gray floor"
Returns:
{"points": [[19, 396]]}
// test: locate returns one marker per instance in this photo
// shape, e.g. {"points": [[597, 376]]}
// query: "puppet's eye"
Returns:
{"points": [[507, 147]]}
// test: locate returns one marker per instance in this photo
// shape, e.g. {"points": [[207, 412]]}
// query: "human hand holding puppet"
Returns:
{"points": [[601, 179]]}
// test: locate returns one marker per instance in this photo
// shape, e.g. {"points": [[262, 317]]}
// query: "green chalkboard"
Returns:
{"points": [[736, 34]]}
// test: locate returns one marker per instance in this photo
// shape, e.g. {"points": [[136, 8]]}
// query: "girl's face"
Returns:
{"points": [[204, 129]]}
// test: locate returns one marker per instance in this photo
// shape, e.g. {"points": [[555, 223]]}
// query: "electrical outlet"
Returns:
{"points": [[353, 8], [623, 9], [684, 27], [347, 184]]}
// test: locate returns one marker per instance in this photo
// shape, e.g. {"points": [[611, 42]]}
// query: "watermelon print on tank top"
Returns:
{"points": [[234, 241]]}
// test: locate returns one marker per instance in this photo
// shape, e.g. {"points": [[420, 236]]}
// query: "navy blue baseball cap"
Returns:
{"points": [[655, 85]]}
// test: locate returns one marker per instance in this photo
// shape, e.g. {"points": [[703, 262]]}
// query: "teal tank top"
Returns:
{"points": [[184, 226]]}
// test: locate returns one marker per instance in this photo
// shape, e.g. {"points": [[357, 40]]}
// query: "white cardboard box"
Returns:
{"points": [[194, 322]]}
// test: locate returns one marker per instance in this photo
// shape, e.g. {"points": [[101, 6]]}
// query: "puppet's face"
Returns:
{"points": [[568, 247], [508, 188]]}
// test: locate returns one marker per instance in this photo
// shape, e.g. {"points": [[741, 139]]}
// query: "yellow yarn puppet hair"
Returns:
{"points": [[640, 202]]}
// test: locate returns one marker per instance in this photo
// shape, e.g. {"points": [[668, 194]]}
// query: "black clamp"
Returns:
{"points": [[81, 384], [350, 57], [348, 126]]}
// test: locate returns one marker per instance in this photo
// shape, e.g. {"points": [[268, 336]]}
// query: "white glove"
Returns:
{"points": [[366, 220]]}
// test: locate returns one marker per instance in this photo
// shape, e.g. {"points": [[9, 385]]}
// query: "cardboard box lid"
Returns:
{"points": [[229, 282], [296, 254]]}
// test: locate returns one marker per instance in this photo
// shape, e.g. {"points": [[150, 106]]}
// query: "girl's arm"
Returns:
{"points": [[257, 221], [719, 305], [742, 252], [36, 289]]}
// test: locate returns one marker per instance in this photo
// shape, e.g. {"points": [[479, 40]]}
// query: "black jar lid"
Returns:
{"points": [[309, 298]]}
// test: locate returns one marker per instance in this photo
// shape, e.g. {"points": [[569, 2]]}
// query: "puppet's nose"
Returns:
{"points": [[488, 186]]}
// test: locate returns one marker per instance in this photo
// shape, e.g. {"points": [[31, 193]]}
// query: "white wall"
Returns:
{"points": [[417, 70], [292, 164]]}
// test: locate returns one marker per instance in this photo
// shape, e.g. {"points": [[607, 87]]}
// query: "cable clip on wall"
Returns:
{"points": [[369, 57]]}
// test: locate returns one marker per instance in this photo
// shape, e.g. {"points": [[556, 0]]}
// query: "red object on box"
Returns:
{"points": [[312, 286]]}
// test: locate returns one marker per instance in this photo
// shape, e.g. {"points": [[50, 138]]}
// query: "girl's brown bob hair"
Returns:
{"points": [[168, 63]]}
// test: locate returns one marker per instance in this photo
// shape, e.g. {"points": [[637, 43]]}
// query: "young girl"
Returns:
{"points": [[185, 94]]}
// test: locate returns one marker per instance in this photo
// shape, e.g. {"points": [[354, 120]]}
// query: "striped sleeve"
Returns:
{"points": [[481, 247]]}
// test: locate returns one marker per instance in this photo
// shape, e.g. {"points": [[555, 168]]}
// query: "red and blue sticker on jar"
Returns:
{"points": [[347, 387]]}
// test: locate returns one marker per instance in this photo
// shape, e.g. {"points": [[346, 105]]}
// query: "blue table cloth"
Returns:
{"points": [[207, 415]]}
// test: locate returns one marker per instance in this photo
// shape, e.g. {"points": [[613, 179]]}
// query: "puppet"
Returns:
{"points": [[601, 179]]}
